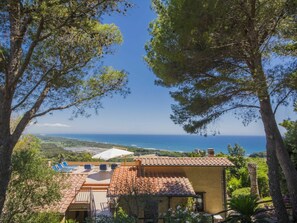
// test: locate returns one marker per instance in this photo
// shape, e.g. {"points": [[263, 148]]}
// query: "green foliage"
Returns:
{"points": [[258, 154], [236, 155], [199, 153], [70, 221], [33, 184], [238, 176], [233, 183], [103, 219], [184, 214], [197, 50], [51, 59], [291, 139], [45, 217], [246, 208], [53, 148], [121, 216], [241, 191]]}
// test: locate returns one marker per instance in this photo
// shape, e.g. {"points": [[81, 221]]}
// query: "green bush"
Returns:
{"points": [[45, 217], [122, 217], [241, 191], [233, 184], [184, 214]]}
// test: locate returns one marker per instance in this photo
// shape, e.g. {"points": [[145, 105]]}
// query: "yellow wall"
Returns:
{"points": [[203, 179]]}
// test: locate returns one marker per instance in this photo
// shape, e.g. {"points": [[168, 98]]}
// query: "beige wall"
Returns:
{"points": [[203, 179]]}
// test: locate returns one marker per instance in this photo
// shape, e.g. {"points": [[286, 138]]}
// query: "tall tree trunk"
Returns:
{"points": [[5, 149], [274, 142], [5, 172], [274, 183], [274, 137]]}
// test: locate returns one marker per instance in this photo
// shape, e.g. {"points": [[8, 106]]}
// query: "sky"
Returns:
{"points": [[147, 109]]}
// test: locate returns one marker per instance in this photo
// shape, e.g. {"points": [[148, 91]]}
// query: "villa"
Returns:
{"points": [[154, 185], [146, 188]]}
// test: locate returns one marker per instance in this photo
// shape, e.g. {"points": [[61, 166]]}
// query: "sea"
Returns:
{"points": [[181, 143]]}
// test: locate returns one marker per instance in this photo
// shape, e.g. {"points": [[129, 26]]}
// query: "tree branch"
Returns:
{"points": [[33, 89], [66, 106], [28, 116], [282, 101], [29, 53]]}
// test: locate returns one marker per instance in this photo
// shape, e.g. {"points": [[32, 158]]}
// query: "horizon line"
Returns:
{"points": [[153, 134]]}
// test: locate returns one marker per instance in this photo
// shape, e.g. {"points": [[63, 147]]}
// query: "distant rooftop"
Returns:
{"points": [[131, 181], [185, 161]]}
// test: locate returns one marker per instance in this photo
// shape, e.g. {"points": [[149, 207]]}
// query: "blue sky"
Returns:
{"points": [[147, 109]]}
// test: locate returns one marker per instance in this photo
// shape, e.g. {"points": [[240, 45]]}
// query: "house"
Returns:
{"points": [[83, 194], [154, 185]]}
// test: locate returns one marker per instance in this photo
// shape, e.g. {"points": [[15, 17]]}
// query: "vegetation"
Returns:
{"points": [[57, 153], [246, 210], [184, 214], [51, 50], [32, 185], [216, 57], [54, 148], [241, 191], [120, 216], [238, 176], [291, 139]]}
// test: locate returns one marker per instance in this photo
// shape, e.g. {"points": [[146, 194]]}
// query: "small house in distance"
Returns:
{"points": [[153, 185]]}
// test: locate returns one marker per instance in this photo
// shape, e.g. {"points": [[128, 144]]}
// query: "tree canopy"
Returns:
{"points": [[50, 51], [33, 184], [50, 59], [202, 50], [224, 56]]}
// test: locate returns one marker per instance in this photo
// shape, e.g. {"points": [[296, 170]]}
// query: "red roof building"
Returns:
{"points": [[155, 184]]}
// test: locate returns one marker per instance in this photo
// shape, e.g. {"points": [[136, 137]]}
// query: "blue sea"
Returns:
{"points": [[185, 143]]}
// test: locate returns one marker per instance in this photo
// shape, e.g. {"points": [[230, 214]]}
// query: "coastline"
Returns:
{"points": [[83, 146], [177, 143]]}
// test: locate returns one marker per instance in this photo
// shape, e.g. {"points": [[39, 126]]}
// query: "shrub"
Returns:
{"points": [[233, 184], [241, 191], [121, 216], [246, 209], [182, 215]]}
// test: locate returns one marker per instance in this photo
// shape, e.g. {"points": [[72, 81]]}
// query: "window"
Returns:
{"points": [[199, 202]]}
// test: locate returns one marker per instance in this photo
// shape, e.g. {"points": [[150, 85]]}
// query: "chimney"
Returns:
{"points": [[210, 152]]}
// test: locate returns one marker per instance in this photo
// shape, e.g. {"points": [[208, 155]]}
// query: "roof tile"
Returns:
{"points": [[132, 181], [73, 183], [186, 161]]}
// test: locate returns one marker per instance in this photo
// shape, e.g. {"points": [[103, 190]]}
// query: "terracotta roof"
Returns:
{"points": [[131, 181], [73, 182], [186, 161]]}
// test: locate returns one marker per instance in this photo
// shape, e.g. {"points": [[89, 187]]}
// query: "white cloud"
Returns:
{"points": [[59, 125]]}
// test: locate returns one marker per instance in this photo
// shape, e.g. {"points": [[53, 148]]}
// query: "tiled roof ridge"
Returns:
{"points": [[184, 161]]}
